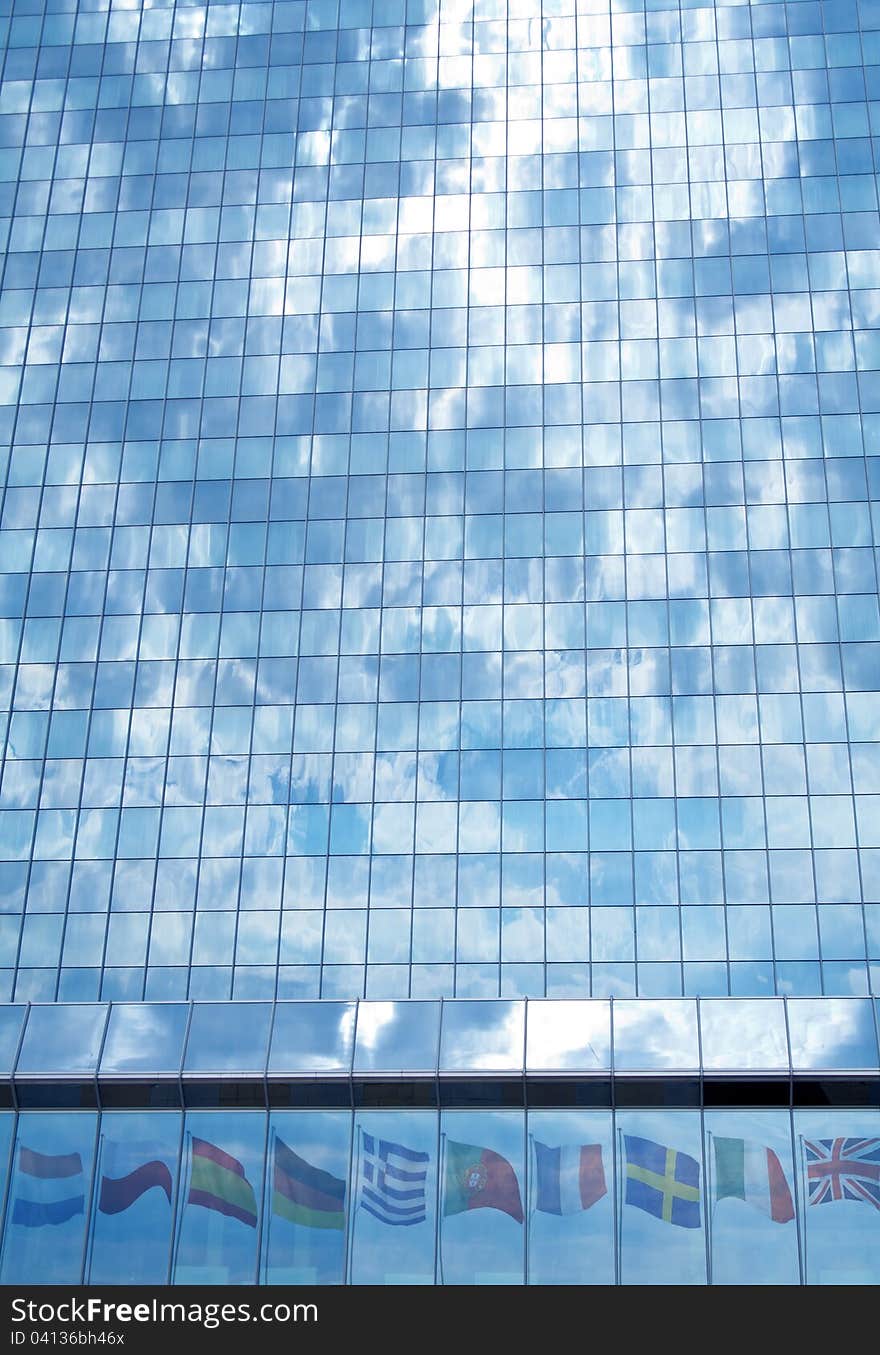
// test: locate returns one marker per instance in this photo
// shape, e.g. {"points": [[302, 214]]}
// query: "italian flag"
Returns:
{"points": [[750, 1172]]}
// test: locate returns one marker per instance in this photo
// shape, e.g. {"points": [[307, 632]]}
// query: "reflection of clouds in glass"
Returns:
{"points": [[373, 1019], [832, 1033], [483, 1036], [312, 1037], [568, 1035], [743, 1034], [655, 1034], [62, 1038], [136, 1028]]}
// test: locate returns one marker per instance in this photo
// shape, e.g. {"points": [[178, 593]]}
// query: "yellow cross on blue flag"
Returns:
{"points": [[662, 1181]]}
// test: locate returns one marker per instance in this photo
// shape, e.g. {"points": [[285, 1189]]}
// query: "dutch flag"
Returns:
{"points": [[51, 1188]]}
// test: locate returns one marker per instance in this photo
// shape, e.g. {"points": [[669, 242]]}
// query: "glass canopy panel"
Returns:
{"points": [[64, 1040], [738, 1034], [312, 1037], [482, 1037], [145, 1037], [228, 1037], [11, 1019], [654, 1035], [397, 1037], [568, 1036], [833, 1033]]}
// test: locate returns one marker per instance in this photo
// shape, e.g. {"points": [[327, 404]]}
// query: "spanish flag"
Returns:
{"points": [[217, 1181]]}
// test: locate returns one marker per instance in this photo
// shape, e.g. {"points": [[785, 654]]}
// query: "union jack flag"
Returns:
{"points": [[843, 1169]]}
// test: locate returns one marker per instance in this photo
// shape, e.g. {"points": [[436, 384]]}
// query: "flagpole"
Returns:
{"points": [[619, 1193], [796, 1185], [710, 1206], [805, 1193], [268, 1185], [93, 1209], [173, 1200], [356, 1182], [184, 1191], [441, 1190], [527, 1218]]}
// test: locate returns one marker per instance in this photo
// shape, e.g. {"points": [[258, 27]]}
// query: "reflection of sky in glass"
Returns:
{"points": [[484, 1246], [482, 1036], [397, 1036], [225, 1037], [66, 1039], [651, 1250], [840, 1240], [571, 1036], [133, 1246], [576, 1248], [653, 1035], [212, 1248], [843, 1236], [144, 1037], [741, 1034], [747, 1246], [312, 1037], [832, 1033], [381, 1253], [54, 1252], [294, 1253], [11, 1019]]}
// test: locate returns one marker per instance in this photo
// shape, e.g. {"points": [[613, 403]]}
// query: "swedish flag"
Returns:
{"points": [[663, 1182]]}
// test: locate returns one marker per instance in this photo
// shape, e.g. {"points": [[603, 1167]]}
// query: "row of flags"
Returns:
{"points": [[392, 1180]]}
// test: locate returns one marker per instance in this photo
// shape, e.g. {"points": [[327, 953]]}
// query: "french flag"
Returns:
{"points": [[52, 1188], [568, 1179]]}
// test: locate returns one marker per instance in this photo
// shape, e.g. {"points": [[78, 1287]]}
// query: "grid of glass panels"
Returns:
{"points": [[493, 1197], [438, 535]]}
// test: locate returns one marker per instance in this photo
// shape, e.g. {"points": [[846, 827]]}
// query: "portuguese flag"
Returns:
{"points": [[304, 1194], [217, 1181], [750, 1172], [477, 1178]]}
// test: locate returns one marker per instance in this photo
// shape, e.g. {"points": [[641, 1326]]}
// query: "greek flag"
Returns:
{"points": [[392, 1181]]}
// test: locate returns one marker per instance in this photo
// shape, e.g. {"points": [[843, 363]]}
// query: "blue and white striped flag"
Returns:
{"points": [[393, 1181]]}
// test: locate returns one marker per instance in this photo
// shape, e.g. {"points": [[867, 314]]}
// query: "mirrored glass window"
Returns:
{"points": [[136, 1182], [306, 1207], [482, 1225], [394, 1185], [483, 1036], [571, 1207], [218, 1206], [144, 1037], [752, 1197], [662, 1207], [48, 1198]]}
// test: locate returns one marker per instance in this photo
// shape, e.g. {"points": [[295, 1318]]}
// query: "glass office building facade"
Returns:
{"points": [[439, 602]]}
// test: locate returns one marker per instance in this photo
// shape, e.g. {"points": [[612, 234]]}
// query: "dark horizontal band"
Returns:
{"points": [[737, 1090]]}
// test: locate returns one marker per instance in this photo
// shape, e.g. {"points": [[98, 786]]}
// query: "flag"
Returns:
{"points": [[663, 1182], [127, 1171], [843, 1169], [750, 1172], [304, 1194], [477, 1178], [217, 1181], [54, 1188], [393, 1181], [568, 1179]]}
